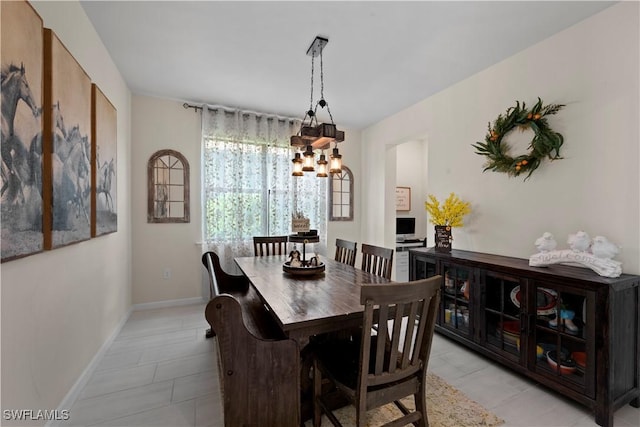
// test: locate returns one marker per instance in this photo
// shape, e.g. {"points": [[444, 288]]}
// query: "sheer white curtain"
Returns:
{"points": [[247, 187]]}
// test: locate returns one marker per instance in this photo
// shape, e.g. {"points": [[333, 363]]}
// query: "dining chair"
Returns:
{"points": [[377, 260], [371, 372], [270, 245], [346, 252]]}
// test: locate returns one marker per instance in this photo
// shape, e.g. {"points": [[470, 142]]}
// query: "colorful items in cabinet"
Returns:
{"points": [[546, 300], [539, 350], [580, 357], [567, 365], [456, 316], [566, 317], [466, 289], [457, 282], [449, 284], [510, 331]]}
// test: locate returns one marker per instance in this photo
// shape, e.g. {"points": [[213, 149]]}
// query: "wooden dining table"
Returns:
{"points": [[307, 306], [304, 306]]}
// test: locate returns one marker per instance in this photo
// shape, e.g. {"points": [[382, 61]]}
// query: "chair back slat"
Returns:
{"points": [[270, 245], [346, 252], [377, 260]]}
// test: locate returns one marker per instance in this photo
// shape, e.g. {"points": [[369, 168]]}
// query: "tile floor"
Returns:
{"points": [[161, 371]]}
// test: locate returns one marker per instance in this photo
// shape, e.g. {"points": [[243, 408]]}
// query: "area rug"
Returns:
{"points": [[446, 407]]}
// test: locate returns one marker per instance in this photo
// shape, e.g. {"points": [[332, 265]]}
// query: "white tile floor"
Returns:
{"points": [[161, 371]]}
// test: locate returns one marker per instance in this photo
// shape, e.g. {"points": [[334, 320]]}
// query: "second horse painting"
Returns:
{"points": [[104, 134], [67, 146]]}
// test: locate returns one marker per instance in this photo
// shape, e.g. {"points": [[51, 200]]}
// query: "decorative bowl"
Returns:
{"points": [[512, 327], [545, 300], [311, 270], [567, 365]]}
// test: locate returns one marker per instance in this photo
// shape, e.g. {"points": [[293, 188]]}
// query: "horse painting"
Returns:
{"points": [[67, 142], [17, 169], [20, 192], [21, 115], [106, 192]]}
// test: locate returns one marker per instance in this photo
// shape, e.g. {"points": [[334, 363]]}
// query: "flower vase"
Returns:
{"points": [[443, 238]]}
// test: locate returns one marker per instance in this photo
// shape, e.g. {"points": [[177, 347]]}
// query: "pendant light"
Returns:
{"points": [[322, 166], [309, 157], [336, 161], [313, 135], [297, 165]]}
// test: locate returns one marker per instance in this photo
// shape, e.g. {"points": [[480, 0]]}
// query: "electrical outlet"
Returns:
{"points": [[166, 274]]}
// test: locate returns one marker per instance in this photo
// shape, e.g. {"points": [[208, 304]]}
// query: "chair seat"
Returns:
{"points": [[341, 358]]}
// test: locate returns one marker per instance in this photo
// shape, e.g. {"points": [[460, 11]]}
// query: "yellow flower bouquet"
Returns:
{"points": [[450, 213]]}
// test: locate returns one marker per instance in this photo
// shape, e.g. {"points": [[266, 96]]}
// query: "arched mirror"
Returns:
{"points": [[341, 196], [168, 187]]}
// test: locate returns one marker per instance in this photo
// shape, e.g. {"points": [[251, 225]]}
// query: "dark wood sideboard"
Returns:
{"points": [[523, 317]]}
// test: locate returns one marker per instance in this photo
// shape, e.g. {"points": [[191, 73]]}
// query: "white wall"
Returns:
{"points": [[411, 172], [60, 306], [593, 68], [158, 124], [349, 230]]}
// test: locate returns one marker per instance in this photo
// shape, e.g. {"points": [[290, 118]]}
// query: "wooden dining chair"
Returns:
{"points": [[377, 260], [346, 252], [270, 245], [372, 372]]}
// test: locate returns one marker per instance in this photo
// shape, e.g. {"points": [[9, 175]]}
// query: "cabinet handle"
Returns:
{"points": [[523, 323]]}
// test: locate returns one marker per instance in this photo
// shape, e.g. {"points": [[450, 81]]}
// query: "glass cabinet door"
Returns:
{"points": [[564, 338], [421, 268], [456, 294], [500, 315]]}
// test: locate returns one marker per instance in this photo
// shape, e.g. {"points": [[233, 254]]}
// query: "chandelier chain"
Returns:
{"points": [[312, 72], [322, 89]]}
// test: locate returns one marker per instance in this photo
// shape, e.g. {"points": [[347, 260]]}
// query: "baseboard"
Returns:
{"points": [[75, 390], [168, 303]]}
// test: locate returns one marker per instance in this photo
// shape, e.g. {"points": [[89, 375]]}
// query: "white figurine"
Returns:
{"points": [[603, 248], [579, 242], [598, 258], [546, 243], [295, 259], [315, 260]]}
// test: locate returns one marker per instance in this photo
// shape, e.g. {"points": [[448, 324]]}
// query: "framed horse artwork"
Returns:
{"points": [[104, 130], [21, 206], [67, 147]]}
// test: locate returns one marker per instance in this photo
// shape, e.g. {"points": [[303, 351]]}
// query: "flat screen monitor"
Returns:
{"points": [[405, 226]]}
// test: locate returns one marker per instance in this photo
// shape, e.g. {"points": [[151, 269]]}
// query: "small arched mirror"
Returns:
{"points": [[168, 187], [341, 196]]}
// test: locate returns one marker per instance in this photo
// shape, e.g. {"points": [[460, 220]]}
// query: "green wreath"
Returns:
{"points": [[545, 143]]}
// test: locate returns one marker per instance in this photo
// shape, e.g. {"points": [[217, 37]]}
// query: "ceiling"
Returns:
{"points": [[381, 57]]}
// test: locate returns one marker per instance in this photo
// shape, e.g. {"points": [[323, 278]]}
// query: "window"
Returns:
{"points": [[167, 187], [248, 191], [341, 196]]}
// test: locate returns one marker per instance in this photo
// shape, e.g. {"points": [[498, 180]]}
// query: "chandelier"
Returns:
{"points": [[313, 135]]}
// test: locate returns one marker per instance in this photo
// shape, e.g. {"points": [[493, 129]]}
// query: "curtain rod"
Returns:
{"points": [[233, 110]]}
